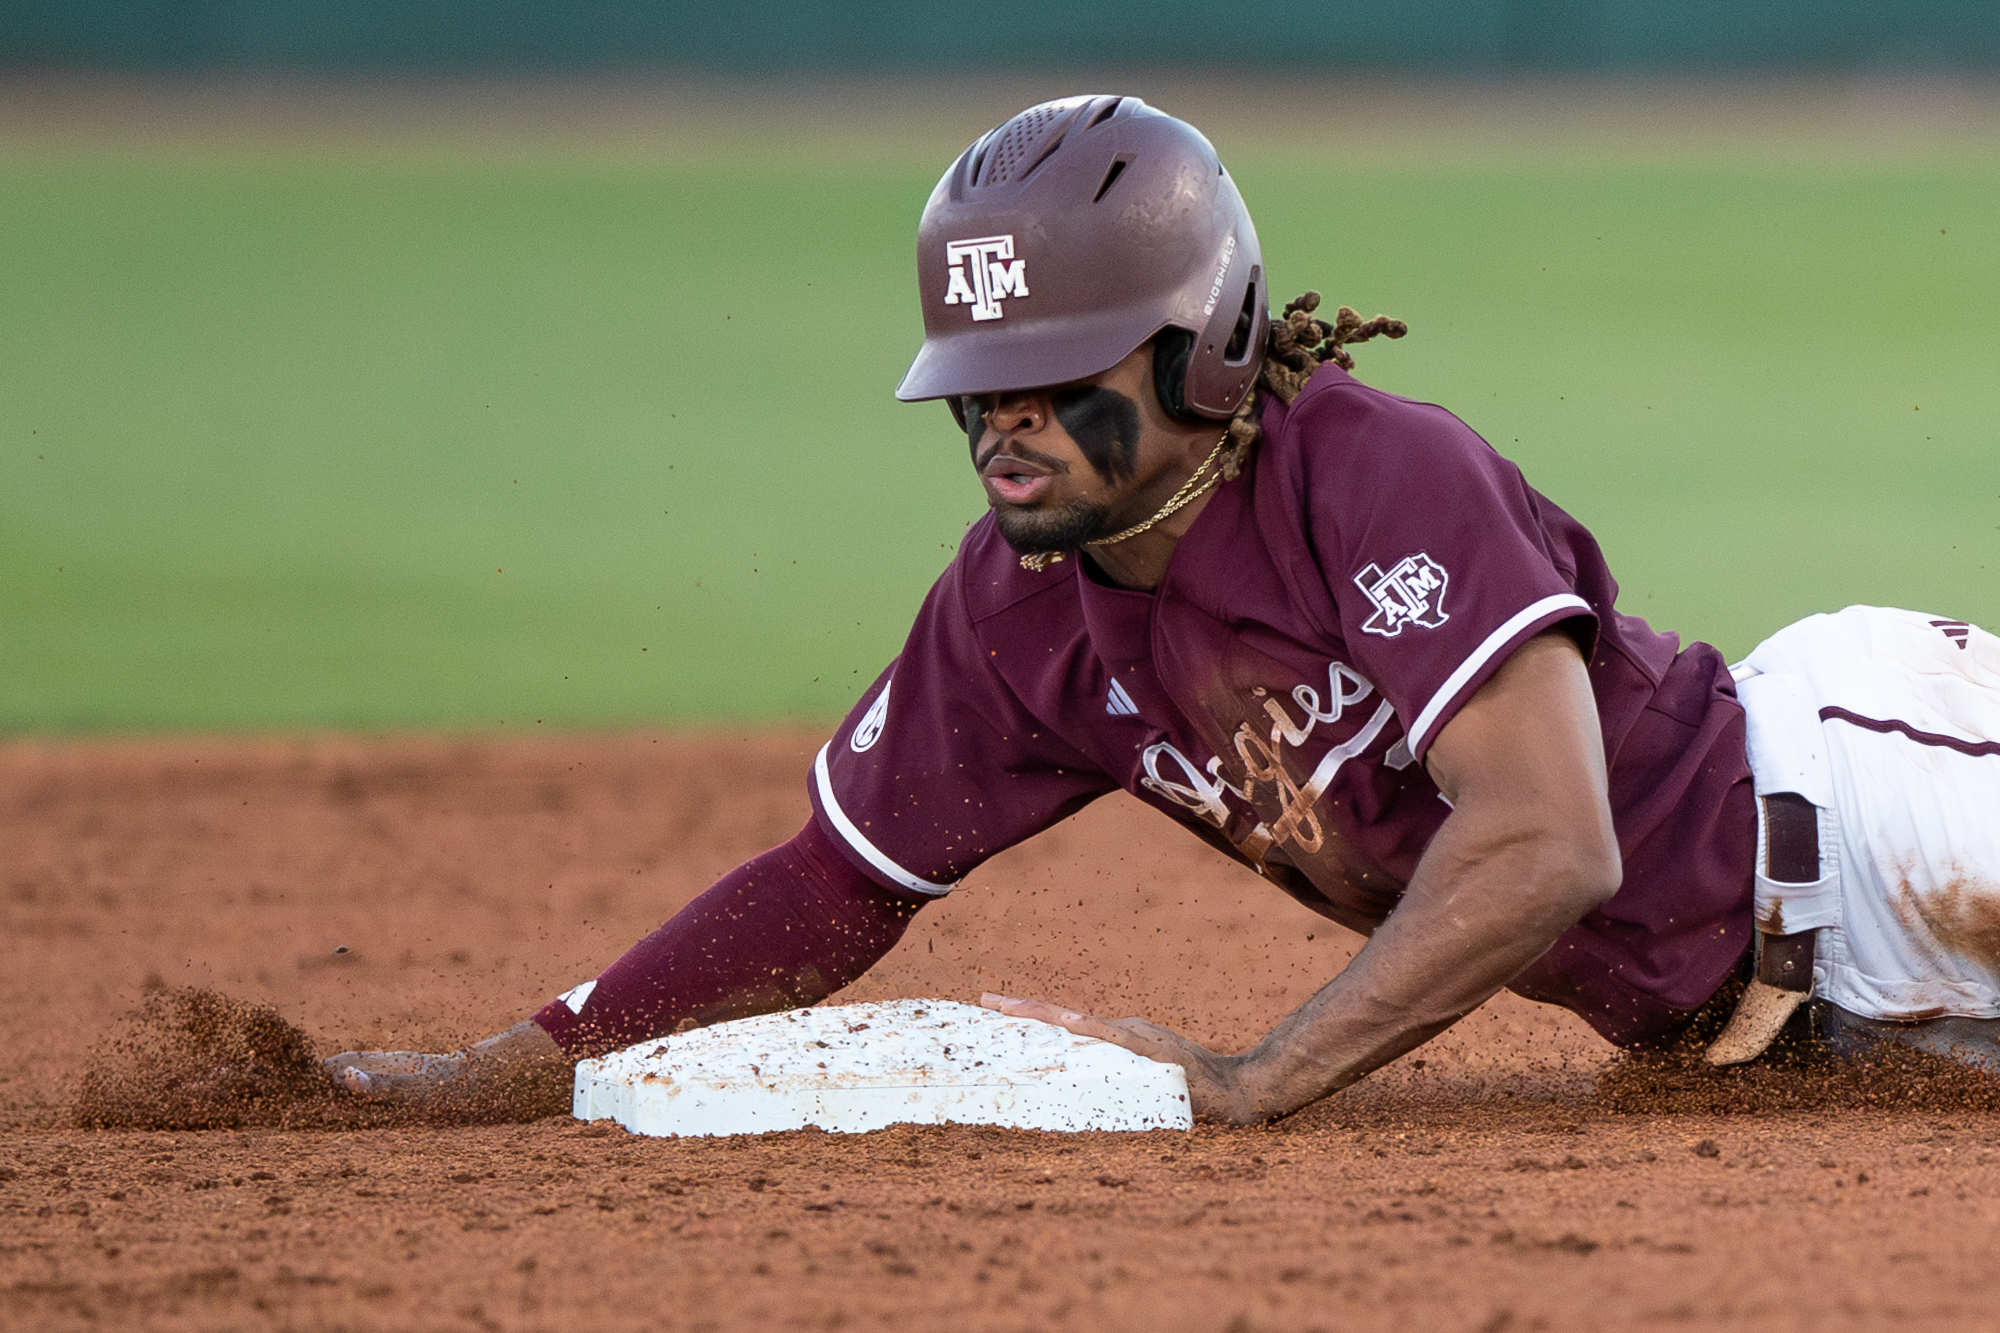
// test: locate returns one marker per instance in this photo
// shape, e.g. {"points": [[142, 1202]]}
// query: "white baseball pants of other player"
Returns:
{"points": [[1888, 723]]}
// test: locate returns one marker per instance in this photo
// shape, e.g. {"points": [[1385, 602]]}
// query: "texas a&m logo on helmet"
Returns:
{"points": [[983, 272], [1412, 592]]}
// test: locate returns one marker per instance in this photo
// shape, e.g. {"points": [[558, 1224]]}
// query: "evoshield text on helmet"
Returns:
{"points": [[1072, 234]]}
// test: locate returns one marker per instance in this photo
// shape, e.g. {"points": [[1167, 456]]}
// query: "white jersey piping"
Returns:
{"points": [[1420, 729], [858, 840]]}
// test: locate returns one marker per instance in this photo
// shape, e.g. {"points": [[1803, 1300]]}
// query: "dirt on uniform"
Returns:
{"points": [[187, 925]]}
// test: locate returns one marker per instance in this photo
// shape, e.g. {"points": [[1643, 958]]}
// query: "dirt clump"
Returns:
{"points": [[189, 1058], [1889, 1078], [194, 1058]]}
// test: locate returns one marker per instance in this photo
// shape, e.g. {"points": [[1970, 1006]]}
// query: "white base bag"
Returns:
{"points": [[866, 1066]]}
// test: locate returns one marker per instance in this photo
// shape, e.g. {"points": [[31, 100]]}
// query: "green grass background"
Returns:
{"points": [[294, 439]]}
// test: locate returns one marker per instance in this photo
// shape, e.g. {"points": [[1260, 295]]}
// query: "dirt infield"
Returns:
{"points": [[427, 891]]}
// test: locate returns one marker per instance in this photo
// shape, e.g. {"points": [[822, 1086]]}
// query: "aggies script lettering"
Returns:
{"points": [[1262, 754]]}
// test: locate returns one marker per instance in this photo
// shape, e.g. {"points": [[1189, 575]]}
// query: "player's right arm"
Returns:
{"points": [[937, 767], [784, 929]]}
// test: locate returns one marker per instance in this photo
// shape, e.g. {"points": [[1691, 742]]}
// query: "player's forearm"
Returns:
{"points": [[1483, 905], [1528, 849], [784, 929]]}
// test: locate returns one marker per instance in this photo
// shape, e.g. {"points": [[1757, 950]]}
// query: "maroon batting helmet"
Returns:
{"points": [[1069, 236]]}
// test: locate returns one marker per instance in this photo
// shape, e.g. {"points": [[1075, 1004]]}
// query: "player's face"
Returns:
{"points": [[1068, 463]]}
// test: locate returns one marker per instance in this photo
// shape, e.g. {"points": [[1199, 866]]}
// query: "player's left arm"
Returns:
{"points": [[1527, 850]]}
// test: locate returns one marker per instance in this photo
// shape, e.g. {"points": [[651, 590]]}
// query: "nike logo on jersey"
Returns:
{"points": [[1118, 703]]}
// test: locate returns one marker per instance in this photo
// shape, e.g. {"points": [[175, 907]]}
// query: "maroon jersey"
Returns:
{"points": [[1325, 615]]}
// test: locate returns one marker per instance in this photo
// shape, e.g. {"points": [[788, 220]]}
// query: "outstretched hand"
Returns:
{"points": [[519, 1074], [393, 1076], [1215, 1091]]}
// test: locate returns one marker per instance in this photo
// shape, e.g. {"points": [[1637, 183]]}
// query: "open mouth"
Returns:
{"points": [[1018, 488], [1016, 480]]}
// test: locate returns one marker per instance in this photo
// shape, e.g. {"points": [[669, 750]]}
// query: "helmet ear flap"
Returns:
{"points": [[1230, 351], [1171, 349], [1238, 350]]}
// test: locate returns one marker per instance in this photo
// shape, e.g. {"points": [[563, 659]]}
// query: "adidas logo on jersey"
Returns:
{"points": [[1955, 630], [1118, 703]]}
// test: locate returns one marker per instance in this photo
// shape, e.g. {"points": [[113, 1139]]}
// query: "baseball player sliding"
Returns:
{"points": [[1339, 638]]}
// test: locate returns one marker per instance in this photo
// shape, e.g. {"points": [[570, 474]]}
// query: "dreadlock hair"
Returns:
{"points": [[1298, 345]]}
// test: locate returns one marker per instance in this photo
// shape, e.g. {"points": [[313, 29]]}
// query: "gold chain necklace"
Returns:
{"points": [[1195, 485]]}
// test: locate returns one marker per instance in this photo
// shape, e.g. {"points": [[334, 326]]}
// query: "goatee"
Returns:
{"points": [[1051, 532]]}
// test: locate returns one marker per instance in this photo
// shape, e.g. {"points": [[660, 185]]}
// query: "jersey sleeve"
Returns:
{"points": [[939, 765], [1435, 551]]}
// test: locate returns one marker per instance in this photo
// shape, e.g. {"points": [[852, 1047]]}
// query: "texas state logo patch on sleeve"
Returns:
{"points": [[1411, 593]]}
